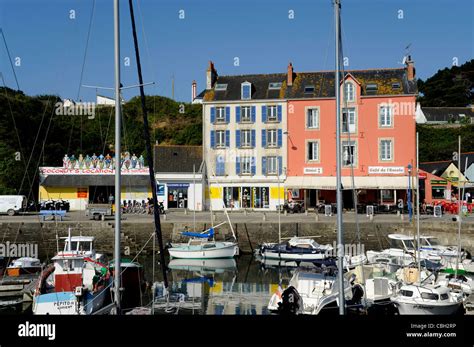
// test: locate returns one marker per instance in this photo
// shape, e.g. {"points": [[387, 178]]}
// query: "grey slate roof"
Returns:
{"points": [[179, 159], [94, 180], [436, 168], [323, 82], [446, 114]]}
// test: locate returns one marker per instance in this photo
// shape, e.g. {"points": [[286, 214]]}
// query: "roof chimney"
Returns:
{"points": [[290, 75], [410, 67], [193, 90], [211, 75]]}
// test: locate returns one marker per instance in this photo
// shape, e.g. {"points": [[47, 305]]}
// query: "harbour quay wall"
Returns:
{"points": [[135, 236]]}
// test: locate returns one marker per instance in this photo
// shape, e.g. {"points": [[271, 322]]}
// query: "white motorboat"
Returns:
{"points": [[296, 248], [402, 247], [309, 292], [413, 299]]}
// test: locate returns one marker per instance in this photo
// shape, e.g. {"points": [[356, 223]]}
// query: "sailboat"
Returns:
{"points": [[202, 245]]}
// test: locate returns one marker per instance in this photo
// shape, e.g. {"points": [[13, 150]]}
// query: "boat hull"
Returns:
{"points": [[222, 250], [66, 303], [406, 308], [267, 254]]}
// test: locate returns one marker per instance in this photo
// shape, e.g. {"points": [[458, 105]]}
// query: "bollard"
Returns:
{"points": [[213, 217], [317, 217], [264, 216], [185, 211], [401, 216], [165, 216], [245, 212], [398, 213], [285, 212], [371, 217], [306, 212]]}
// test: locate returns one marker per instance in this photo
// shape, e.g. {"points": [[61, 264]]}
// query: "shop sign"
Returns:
{"points": [[313, 170], [386, 170], [443, 182], [81, 193]]}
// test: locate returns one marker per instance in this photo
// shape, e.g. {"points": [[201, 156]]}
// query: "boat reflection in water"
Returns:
{"points": [[216, 287]]}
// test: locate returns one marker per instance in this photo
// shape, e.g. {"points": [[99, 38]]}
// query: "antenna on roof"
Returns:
{"points": [[407, 55]]}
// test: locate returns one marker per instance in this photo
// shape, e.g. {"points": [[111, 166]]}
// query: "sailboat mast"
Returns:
{"points": [[340, 234], [459, 207], [417, 171], [118, 119]]}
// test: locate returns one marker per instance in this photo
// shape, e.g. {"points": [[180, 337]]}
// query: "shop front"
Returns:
{"points": [[246, 196]]}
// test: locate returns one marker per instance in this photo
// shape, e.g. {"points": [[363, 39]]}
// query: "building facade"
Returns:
{"points": [[244, 142], [377, 135], [270, 138]]}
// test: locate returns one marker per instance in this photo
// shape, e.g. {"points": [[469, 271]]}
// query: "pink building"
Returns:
{"points": [[378, 135]]}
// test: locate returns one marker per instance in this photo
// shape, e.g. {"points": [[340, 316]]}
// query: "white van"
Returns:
{"points": [[11, 204]]}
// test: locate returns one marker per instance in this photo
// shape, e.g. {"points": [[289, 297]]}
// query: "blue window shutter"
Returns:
{"points": [[253, 114], [227, 138], [237, 138], [237, 165], [227, 114], [213, 139], [253, 166], [213, 114], [253, 138], [264, 165], [264, 138], [280, 165], [264, 114], [279, 113], [280, 138], [237, 114]]}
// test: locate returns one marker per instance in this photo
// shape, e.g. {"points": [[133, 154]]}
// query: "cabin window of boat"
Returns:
{"points": [[444, 296], [430, 296], [73, 246], [407, 293]]}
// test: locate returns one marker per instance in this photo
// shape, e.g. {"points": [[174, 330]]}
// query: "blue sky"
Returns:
{"points": [[51, 45]]}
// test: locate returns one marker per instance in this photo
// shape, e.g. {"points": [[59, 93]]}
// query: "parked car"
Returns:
{"points": [[12, 204]]}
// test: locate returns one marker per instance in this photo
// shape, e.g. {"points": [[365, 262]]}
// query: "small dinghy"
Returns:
{"points": [[25, 265]]}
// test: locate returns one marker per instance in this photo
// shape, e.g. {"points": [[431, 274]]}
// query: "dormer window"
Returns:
{"points": [[308, 89], [274, 85], [349, 91], [246, 91], [371, 88], [221, 87]]}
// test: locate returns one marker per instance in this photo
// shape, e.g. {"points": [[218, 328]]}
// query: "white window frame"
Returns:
{"points": [[245, 114], [220, 114], [314, 115], [220, 138], [349, 91], [272, 165], [312, 143], [382, 150], [352, 127], [275, 137], [245, 135], [354, 154], [385, 116], [246, 165], [272, 113]]}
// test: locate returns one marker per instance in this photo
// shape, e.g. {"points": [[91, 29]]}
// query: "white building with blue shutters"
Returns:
{"points": [[244, 140]]}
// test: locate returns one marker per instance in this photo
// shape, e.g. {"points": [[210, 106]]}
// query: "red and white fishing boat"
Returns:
{"points": [[76, 283]]}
